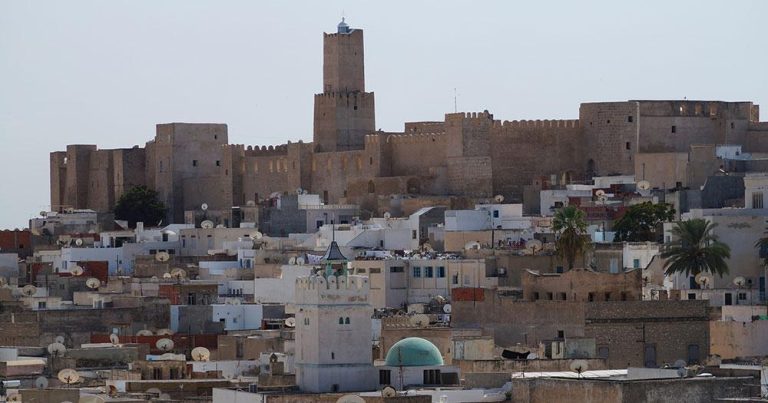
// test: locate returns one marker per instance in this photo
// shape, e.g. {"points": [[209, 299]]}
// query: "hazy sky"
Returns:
{"points": [[105, 72]]}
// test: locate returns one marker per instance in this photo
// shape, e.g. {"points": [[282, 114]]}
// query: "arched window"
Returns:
{"points": [[346, 321], [341, 320], [371, 187]]}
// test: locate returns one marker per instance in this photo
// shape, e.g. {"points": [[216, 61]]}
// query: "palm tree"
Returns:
{"points": [[696, 250], [571, 227]]}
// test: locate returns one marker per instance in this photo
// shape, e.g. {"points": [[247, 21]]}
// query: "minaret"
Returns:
{"points": [[344, 112], [333, 329]]}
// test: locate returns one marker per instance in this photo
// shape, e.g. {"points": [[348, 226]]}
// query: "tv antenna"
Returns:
{"points": [[739, 281]]}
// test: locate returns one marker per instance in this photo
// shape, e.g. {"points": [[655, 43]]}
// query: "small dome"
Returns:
{"points": [[413, 352], [343, 28]]}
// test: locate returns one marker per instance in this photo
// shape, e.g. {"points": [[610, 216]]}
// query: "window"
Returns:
{"points": [[495, 213], [757, 200], [742, 296], [416, 272], [455, 279], [333, 357], [563, 296], [413, 234], [549, 296], [608, 121], [602, 352], [535, 295], [375, 270], [306, 321], [440, 272], [674, 129], [428, 272], [628, 145], [561, 334], [218, 163], [691, 295], [215, 136], [607, 296], [630, 118], [384, 377], [431, 377], [157, 373], [623, 296], [732, 125], [590, 297], [341, 320], [346, 320], [398, 269], [194, 163], [636, 263], [41, 305]]}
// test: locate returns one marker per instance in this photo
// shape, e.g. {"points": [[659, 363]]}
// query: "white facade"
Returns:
{"points": [[755, 190], [281, 290], [639, 255], [333, 334]]}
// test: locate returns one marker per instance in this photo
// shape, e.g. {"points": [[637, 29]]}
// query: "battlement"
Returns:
{"points": [[343, 289], [262, 151], [342, 94], [469, 115], [411, 138], [568, 123], [344, 34]]}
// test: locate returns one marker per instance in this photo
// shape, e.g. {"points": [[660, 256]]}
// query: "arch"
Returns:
{"points": [[341, 320], [346, 320], [371, 187], [591, 168]]}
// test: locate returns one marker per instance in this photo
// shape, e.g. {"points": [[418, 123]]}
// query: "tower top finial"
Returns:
{"points": [[343, 27]]}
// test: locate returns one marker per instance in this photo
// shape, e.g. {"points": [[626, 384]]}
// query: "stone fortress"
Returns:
{"points": [[471, 155]]}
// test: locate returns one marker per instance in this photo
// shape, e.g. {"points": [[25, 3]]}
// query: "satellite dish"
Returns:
{"points": [[201, 354], [153, 391], [350, 399], [144, 332], [178, 273], [387, 215], [290, 322], [250, 203], [447, 308], [59, 339], [68, 376], [388, 392], [114, 339], [41, 382], [702, 280], [533, 245], [256, 235], [739, 281], [419, 320], [579, 366], [29, 290], [56, 349], [153, 279], [77, 271], [472, 245], [79, 242], [300, 260], [204, 206], [165, 332], [164, 344], [292, 260], [162, 256], [167, 275], [679, 364], [600, 193], [207, 224], [93, 283], [498, 198], [643, 185]]}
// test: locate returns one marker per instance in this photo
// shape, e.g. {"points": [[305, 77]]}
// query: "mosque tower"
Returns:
{"points": [[344, 112], [333, 329]]}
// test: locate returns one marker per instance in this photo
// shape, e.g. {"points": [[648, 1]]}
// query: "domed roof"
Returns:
{"points": [[343, 28], [413, 352]]}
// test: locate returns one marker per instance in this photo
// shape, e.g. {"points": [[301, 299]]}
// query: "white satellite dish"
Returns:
{"points": [[153, 391], [703, 280], [93, 283], [114, 339], [154, 279], [204, 206], [643, 185], [256, 235], [498, 198], [292, 260], [388, 392], [419, 320], [300, 260], [56, 349], [387, 215], [167, 275], [144, 332], [29, 290], [290, 322], [350, 399], [165, 332], [207, 224], [447, 308], [178, 273], [739, 281], [59, 339], [79, 242], [579, 366], [164, 344], [201, 354], [41, 382], [68, 376], [600, 193], [162, 256], [77, 271], [250, 203]]}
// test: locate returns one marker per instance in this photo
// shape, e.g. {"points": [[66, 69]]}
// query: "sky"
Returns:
{"points": [[106, 72]]}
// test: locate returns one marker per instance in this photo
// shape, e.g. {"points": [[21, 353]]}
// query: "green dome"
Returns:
{"points": [[413, 352]]}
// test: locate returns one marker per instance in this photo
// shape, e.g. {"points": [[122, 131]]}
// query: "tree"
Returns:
{"points": [[571, 228], [696, 250], [642, 222], [762, 247], [140, 204]]}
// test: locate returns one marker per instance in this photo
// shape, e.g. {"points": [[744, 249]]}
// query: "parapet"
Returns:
{"points": [[569, 123], [317, 289], [266, 151], [411, 138]]}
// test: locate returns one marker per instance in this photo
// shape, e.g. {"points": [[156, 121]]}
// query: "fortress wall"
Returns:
{"points": [[332, 172], [611, 137], [424, 127], [58, 177], [522, 150], [415, 154], [101, 181], [129, 170], [271, 170]]}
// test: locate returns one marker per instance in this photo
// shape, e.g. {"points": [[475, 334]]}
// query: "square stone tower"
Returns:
{"points": [[344, 112], [333, 329]]}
